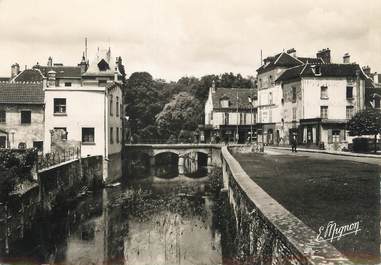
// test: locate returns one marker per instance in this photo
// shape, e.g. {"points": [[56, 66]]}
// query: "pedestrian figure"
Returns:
{"points": [[293, 143]]}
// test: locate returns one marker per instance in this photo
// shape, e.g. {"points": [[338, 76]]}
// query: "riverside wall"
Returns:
{"points": [[265, 232]]}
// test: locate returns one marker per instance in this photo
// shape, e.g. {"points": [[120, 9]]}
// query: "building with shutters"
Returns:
{"points": [[230, 114], [318, 100]]}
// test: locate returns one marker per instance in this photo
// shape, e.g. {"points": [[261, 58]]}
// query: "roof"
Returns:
{"points": [[29, 75], [61, 71], [231, 94], [4, 79], [280, 60], [311, 60], [326, 70], [21, 93], [102, 65]]}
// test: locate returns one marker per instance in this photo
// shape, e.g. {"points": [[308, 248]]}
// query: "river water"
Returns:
{"points": [[146, 222]]}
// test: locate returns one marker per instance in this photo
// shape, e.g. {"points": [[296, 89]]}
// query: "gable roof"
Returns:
{"points": [[21, 93], [231, 94], [61, 71], [29, 75], [280, 60], [326, 70], [102, 65]]}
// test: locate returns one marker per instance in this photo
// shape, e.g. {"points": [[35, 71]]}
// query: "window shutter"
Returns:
{"points": [[329, 136], [342, 135]]}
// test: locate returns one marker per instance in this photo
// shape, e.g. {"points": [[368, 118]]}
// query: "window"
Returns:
{"points": [[3, 118], [88, 135], [270, 98], [61, 131], [324, 112], [324, 92], [226, 118], [241, 117], [317, 70], [271, 79], [39, 145], [60, 106], [121, 110], [377, 103], [260, 83], [102, 83], [26, 116], [117, 106], [294, 114], [117, 135], [111, 102], [336, 136], [349, 92], [3, 141], [111, 135], [293, 94], [224, 103], [67, 83], [349, 112]]}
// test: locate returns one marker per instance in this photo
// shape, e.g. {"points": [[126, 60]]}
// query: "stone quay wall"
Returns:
{"points": [[265, 232], [68, 179], [55, 185]]}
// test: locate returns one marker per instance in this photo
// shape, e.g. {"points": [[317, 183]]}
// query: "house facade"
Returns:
{"points": [[317, 102], [89, 113], [230, 114], [270, 95], [21, 115]]}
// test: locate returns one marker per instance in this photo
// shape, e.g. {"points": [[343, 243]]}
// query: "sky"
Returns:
{"points": [[175, 38]]}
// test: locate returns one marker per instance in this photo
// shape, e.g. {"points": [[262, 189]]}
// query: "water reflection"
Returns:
{"points": [[146, 223]]}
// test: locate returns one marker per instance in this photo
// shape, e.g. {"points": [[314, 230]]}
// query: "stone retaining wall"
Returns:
{"points": [[267, 233]]}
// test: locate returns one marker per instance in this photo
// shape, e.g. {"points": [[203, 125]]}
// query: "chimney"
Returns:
{"points": [[325, 55], [116, 74], [346, 58], [367, 70], [52, 78], [15, 70], [50, 61], [292, 52], [213, 87]]}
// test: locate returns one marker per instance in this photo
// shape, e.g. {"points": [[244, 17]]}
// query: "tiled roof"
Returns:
{"points": [[326, 70], [311, 60], [29, 75], [231, 94], [282, 59], [61, 71], [21, 93]]}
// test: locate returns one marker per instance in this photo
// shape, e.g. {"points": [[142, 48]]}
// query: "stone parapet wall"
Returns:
{"points": [[267, 233]]}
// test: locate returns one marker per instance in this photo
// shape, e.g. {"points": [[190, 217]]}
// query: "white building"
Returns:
{"points": [[318, 100], [89, 112], [270, 94], [230, 114]]}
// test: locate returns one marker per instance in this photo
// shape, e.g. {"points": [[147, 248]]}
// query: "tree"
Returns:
{"points": [[182, 113], [366, 122]]}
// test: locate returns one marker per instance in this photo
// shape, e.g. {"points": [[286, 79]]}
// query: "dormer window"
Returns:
{"points": [[316, 69], [103, 65], [224, 103]]}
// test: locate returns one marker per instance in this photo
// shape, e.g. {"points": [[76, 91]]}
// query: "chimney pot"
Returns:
{"points": [[346, 58]]}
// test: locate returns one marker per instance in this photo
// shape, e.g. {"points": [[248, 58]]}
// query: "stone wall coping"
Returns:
{"points": [[340, 153], [175, 146], [292, 230]]}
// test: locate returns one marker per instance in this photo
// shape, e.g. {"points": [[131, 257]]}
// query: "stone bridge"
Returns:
{"points": [[187, 153]]}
